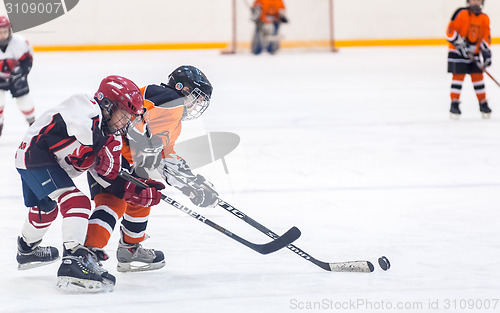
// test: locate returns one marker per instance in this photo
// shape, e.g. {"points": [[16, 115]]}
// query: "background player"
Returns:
{"points": [[16, 56], [186, 96], [267, 16], [469, 35], [79, 134]]}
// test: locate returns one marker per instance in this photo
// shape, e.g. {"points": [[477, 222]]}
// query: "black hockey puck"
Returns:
{"points": [[384, 263]]}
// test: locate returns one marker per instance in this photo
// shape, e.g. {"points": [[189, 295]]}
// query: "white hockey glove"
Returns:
{"points": [[461, 47], [149, 157], [196, 188], [147, 151], [255, 13], [201, 193]]}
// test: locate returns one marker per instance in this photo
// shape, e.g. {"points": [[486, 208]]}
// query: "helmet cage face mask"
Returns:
{"points": [[114, 116], [195, 103]]}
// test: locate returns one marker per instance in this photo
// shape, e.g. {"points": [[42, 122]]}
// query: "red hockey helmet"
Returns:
{"points": [[5, 23], [119, 93], [122, 92]]}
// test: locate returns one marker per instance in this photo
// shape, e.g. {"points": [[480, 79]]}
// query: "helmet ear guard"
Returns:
{"points": [[194, 86]]}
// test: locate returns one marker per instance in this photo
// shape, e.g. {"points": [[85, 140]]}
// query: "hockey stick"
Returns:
{"points": [[281, 241], [348, 266], [492, 78], [483, 68]]}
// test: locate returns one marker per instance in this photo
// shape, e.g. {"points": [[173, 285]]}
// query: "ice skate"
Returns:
{"points": [[31, 256], [134, 258], [455, 110], [485, 110], [80, 272]]}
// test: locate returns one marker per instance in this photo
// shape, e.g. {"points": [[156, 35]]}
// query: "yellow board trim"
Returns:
{"points": [[246, 45]]}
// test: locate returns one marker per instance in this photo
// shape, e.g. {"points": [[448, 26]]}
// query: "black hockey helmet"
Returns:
{"points": [[482, 1], [476, 9], [192, 84]]}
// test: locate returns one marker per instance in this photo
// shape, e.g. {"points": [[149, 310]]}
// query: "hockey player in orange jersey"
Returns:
{"points": [[469, 37], [186, 96], [267, 15]]}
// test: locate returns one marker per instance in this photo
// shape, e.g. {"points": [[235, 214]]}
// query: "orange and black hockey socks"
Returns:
{"points": [[109, 209], [456, 86], [478, 82]]}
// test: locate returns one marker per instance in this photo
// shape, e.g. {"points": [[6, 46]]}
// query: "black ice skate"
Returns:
{"points": [[455, 110], [31, 256], [81, 272], [135, 258], [485, 110]]}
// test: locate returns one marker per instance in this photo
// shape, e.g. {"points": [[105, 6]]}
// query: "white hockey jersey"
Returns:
{"points": [[72, 128], [17, 50]]}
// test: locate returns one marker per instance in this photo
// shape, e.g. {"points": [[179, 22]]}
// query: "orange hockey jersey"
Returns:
{"points": [[165, 110], [270, 8], [473, 28]]}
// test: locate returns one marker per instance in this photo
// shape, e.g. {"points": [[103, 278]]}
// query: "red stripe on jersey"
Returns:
{"points": [[62, 144]]}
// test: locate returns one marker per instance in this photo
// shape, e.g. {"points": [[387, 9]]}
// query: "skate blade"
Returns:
{"points": [[139, 266], [485, 115], [454, 116], [28, 266], [75, 285]]}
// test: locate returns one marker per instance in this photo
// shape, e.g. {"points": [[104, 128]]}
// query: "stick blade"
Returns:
{"points": [[352, 266], [287, 238]]}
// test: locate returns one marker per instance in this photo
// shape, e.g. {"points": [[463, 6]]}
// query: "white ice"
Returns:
{"points": [[355, 148]]}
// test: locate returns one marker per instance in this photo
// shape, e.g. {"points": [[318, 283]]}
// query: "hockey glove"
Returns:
{"points": [[486, 53], [283, 18], [255, 13], [201, 192], [16, 74], [461, 47], [145, 197], [110, 158], [150, 157], [81, 159]]}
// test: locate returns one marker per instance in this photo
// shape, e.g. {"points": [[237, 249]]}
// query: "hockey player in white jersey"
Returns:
{"points": [[16, 57], [80, 134]]}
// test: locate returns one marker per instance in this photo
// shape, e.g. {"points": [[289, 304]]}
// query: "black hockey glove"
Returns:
{"points": [[201, 193], [283, 18], [486, 53], [16, 74]]}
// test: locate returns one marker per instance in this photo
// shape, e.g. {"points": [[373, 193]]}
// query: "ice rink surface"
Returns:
{"points": [[356, 149]]}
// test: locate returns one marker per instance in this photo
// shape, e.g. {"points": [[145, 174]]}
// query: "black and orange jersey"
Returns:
{"points": [[165, 110], [473, 28], [270, 8]]}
